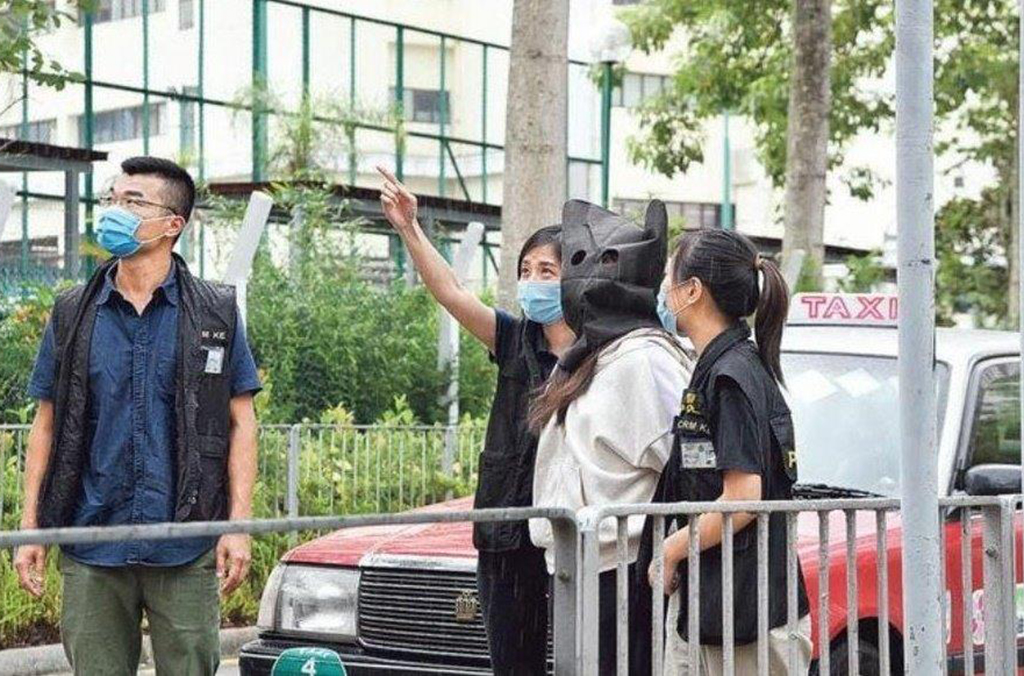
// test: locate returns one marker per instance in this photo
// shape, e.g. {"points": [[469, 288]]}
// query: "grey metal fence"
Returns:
{"points": [[850, 555], [848, 550], [564, 584], [318, 470]]}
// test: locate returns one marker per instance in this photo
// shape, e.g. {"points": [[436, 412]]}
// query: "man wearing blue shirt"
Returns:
{"points": [[145, 385]]}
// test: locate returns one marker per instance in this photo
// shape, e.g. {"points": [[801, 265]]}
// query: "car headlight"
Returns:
{"points": [[312, 601]]}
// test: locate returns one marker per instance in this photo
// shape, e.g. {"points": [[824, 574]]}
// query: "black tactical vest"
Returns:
{"points": [[206, 320]]}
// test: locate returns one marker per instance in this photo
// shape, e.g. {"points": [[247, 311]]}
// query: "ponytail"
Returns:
{"points": [[728, 265], [770, 317]]}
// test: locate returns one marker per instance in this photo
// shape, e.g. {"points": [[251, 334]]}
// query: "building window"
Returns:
{"points": [[115, 10], [424, 105], [694, 214], [122, 124], [636, 88], [40, 131], [186, 14]]}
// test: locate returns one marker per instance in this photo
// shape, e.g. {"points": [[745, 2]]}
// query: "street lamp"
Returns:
{"points": [[610, 43]]}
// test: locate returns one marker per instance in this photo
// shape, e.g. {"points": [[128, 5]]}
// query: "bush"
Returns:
{"points": [[21, 330]]}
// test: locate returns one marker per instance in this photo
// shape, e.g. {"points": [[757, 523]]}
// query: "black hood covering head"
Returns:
{"points": [[611, 272]]}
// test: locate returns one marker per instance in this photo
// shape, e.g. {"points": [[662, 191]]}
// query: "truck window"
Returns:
{"points": [[995, 430]]}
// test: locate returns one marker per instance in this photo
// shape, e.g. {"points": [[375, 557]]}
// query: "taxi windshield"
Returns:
{"points": [[845, 413]]}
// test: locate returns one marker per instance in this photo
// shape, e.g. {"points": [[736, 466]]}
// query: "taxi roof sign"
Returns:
{"points": [[845, 309]]}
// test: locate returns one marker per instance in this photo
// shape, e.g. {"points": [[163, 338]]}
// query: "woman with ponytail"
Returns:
{"points": [[733, 441]]}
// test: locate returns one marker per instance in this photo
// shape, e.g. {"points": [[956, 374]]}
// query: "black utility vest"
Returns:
{"points": [[510, 448], [207, 313], [691, 475]]}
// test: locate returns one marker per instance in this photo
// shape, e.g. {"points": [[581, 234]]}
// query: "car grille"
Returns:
{"points": [[414, 612]]}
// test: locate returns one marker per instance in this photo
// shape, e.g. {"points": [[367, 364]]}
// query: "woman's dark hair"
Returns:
{"points": [[561, 390], [547, 236], [727, 264]]}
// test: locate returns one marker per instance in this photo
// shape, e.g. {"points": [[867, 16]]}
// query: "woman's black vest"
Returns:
{"points": [[206, 320]]}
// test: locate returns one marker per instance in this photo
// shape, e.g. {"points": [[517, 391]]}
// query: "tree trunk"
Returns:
{"points": [[535, 130], [810, 98]]}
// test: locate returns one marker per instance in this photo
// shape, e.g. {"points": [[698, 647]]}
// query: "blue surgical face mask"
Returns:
{"points": [[668, 319], [117, 230], [541, 301]]}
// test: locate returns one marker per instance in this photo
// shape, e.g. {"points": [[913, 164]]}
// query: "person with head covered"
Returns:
{"points": [[605, 417]]}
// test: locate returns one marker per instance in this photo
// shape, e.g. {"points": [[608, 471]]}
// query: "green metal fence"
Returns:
{"points": [[271, 61]]}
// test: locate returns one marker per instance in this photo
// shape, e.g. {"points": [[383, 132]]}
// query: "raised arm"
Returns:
{"points": [[399, 207]]}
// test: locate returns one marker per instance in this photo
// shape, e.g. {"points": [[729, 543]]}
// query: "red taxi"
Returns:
{"points": [[402, 600]]}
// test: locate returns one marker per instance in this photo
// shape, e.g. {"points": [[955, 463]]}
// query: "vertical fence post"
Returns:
{"points": [[259, 90], [566, 616], [145, 77], [922, 593], [483, 135], [352, 168], [1000, 625], [590, 597], [727, 223], [305, 51], [23, 259], [87, 131], [442, 115], [400, 100], [201, 168], [292, 495]]}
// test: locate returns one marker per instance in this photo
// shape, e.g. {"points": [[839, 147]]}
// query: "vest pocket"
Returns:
{"points": [[212, 494]]}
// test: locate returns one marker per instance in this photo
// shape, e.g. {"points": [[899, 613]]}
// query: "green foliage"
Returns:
{"points": [[976, 77], [737, 56], [972, 245], [866, 272], [21, 329], [21, 23], [809, 280]]}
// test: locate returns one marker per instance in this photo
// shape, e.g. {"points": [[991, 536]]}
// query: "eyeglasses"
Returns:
{"points": [[109, 199]]}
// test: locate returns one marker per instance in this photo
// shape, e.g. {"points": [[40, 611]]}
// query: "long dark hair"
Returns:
{"points": [[561, 390], [727, 264], [550, 235]]}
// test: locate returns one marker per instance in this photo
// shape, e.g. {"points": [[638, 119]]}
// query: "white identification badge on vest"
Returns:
{"points": [[214, 360], [698, 455]]}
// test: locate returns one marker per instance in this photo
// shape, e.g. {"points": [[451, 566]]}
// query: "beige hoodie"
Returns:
{"points": [[616, 438]]}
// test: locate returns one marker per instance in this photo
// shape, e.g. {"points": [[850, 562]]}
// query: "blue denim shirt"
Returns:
{"points": [[129, 477]]}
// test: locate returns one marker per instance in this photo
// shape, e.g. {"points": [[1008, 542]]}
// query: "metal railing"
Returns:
{"points": [[563, 524], [846, 557], [848, 551], [317, 470]]}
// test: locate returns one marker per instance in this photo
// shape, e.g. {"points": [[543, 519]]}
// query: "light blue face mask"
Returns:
{"points": [[541, 301], [117, 229], [668, 319]]}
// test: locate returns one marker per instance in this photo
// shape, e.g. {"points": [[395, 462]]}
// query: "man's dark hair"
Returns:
{"points": [[181, 189]]}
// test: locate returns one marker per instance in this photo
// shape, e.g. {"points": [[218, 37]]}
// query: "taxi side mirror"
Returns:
{"points": [[992, 480]]}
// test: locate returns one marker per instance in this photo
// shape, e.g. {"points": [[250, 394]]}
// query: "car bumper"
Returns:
{"points": [[257, 659]]}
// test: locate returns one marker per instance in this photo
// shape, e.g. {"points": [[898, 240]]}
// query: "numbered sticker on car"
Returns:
{"points": [[308, 662]]}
